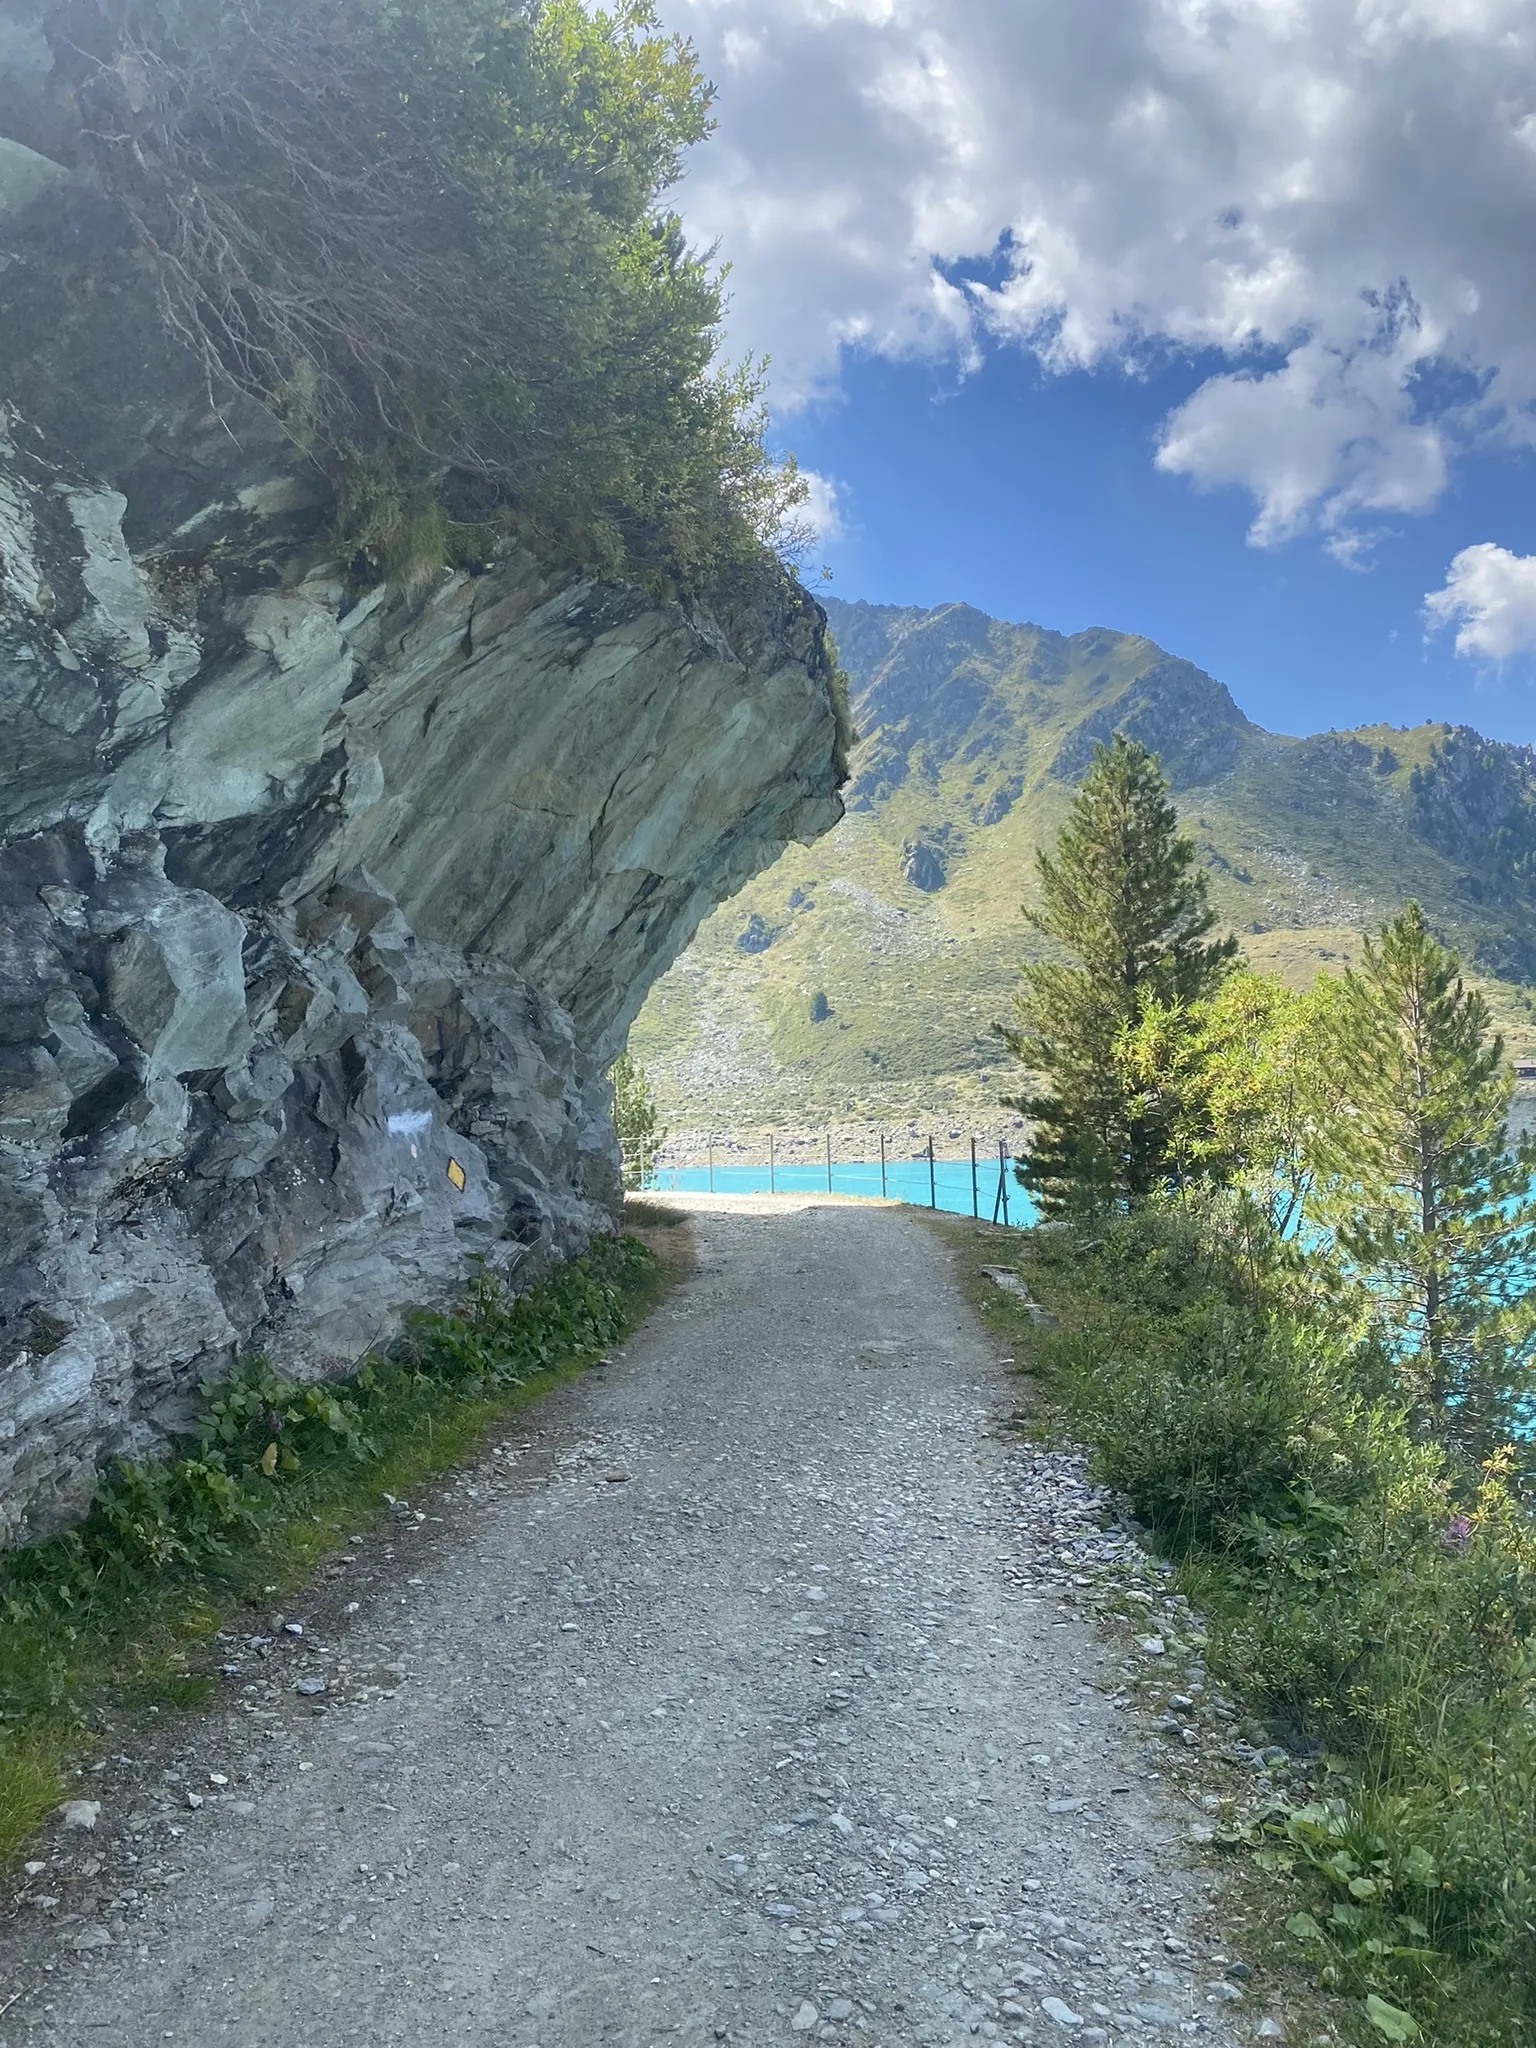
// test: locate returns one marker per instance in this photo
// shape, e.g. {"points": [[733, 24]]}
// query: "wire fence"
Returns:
{"points": [[976, 1180]]}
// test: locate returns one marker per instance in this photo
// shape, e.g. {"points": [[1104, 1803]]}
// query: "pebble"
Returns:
{"points": [[1058, 2010], [1152, 2014], [972, 1870], [81, 1813]]}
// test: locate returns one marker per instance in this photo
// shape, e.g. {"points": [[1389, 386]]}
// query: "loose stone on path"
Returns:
{"points": [[749, 1695]]}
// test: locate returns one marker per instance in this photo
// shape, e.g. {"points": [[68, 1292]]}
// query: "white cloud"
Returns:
{"points": [[822, 511], [1490, 598], [1324, 438], [1336, 196]]}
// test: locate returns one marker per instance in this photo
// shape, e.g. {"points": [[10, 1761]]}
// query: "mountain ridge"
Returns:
{"points": [[908, 921]]}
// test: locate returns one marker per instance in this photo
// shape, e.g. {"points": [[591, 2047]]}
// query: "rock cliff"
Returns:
{"points": [[323, 908]]}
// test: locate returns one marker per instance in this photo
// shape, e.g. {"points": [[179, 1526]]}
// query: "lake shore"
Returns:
{"points": [[852, 1143]]}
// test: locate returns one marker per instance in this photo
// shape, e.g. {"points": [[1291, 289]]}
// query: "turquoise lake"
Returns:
{"points": [[906, 1180]]}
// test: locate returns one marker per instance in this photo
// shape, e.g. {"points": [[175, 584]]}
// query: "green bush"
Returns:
{"points": [[432, 238], [259, 1437], [118, 1613], [1367, 1592], [636, 1123], [1226, 1428]]}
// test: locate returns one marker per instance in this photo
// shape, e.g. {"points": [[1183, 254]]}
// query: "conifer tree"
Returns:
{"points": [[1428, 1197], [1123, 894]]}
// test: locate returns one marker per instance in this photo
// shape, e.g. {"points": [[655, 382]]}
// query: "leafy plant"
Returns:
{"points": [[1371, 1598], [635, 1121], [103, 1614], [431, 238]]}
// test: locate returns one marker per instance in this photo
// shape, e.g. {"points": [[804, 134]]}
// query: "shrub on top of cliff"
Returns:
{"points": [[430, 236]]}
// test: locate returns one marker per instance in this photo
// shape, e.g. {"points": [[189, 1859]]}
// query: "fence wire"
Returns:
{"points": [[981, 1181]]}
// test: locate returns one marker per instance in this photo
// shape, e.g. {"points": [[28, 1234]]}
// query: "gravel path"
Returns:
{"points": [[718, 1708]]}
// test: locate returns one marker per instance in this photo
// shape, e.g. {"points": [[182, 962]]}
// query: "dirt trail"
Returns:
{"points": [[720, 1716]]}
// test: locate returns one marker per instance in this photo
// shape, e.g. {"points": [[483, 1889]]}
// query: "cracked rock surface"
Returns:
{"points": [[325, 903], [727, 1705], [323, 911]]}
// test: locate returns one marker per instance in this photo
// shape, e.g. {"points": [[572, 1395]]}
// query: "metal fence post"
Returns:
{"points": [[771, 1189], [711, 1166], [1003, 1150], [882, 1166], [975, 1184], [829, 1162], [933, 1185]]}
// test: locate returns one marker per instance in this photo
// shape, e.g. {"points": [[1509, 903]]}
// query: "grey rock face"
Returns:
{"points": [[321, 916], [757, 936], [1000, 801], [1189, 721], [924, 865]]}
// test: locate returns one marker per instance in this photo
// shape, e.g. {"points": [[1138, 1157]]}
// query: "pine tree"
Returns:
{"points": [[1428, 1198], [1123, 894]]}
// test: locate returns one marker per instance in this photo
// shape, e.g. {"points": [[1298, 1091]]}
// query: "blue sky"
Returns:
{"points": [[1035, 497], [1213, 320]]}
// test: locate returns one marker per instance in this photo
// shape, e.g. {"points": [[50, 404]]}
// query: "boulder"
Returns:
{"points": [[924, 865]]}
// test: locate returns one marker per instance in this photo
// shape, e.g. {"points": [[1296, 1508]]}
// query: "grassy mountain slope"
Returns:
{"points": [[973, 736]]}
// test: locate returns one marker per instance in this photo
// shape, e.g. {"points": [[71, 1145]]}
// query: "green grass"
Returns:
{"points": [[108, 1623], [1305, 843], [1260, 1444]]}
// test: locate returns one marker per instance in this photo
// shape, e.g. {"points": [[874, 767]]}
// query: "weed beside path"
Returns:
{"points": [[722, 1706], [1365, 1634], [115, 1623]]}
